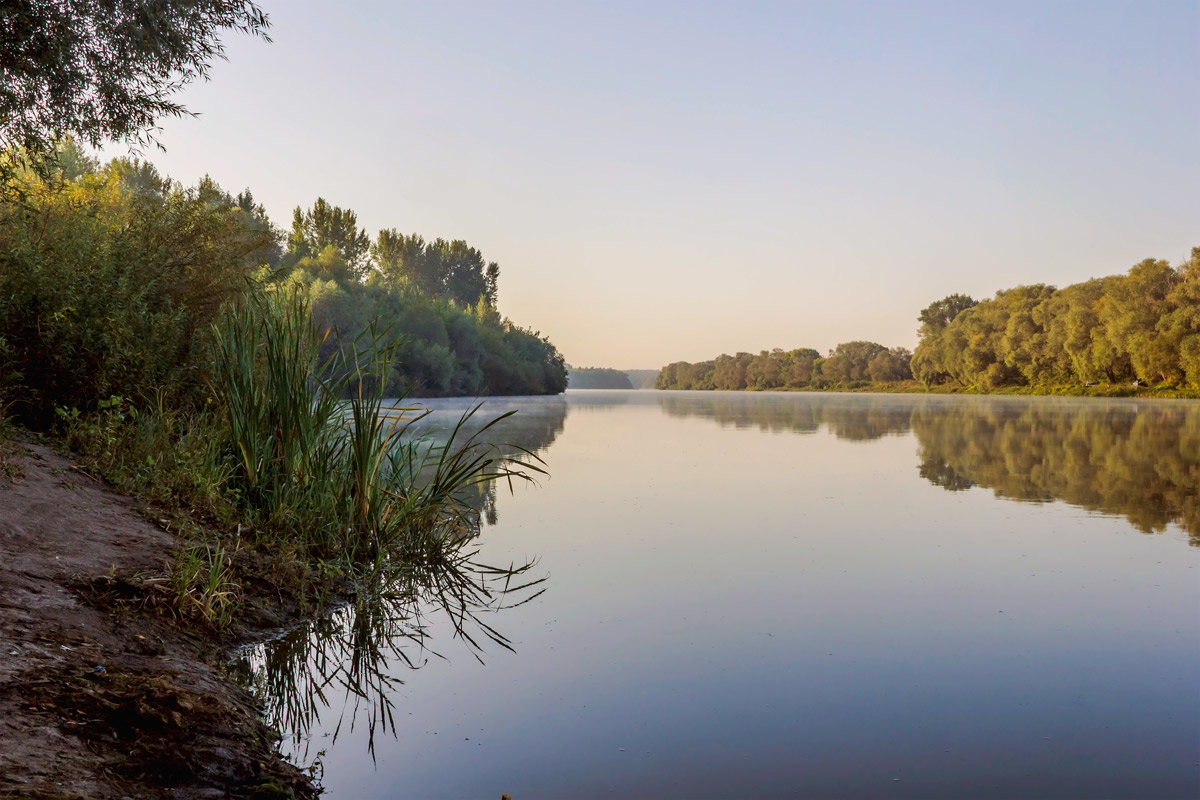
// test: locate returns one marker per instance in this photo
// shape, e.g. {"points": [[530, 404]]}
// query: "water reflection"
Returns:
{"points": [[352, 660], [1136, 459], [597, 669], [853, 417], [535, 426]]}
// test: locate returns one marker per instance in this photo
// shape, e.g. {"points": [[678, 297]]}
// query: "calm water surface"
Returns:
{"points": [[791, 595]]}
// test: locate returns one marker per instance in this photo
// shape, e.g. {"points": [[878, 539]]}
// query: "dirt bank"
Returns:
{"points": [[101, 694]]}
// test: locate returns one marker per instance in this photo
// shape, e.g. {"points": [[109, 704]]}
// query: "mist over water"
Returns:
{"points": [[786, 595]]}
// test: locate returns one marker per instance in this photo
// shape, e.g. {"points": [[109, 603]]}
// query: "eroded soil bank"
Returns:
{"points": [[102, 693]]}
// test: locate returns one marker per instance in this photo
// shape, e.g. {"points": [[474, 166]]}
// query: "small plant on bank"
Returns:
{"points": [[202, 583]]}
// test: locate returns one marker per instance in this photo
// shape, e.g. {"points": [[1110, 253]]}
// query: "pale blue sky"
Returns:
{"points": [[665, 181]]}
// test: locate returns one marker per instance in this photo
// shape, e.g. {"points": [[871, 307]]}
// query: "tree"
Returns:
{"points": [[450, 270], [890, 365], [465, 277], [849, 361], [326, 225], [108, 290], [400, 260], [800, 371], [106, 70], [937, 315]]}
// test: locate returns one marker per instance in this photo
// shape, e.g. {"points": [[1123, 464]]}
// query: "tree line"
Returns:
{"points": [[1137, 329], [597, 378], [1142, 327], [849, 365], [111, 278]]}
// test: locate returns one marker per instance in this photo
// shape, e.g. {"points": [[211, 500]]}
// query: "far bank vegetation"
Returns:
{"points": [[1106, 335]]}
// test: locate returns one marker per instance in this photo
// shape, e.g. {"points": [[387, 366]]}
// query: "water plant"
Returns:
{"points": [[315, 452]]}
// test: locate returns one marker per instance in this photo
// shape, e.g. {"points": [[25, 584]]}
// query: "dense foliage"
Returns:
{"points": [[850, 364], [1142, 327], [111, 279], [1138, 329], [105, 70], [597, 378]]}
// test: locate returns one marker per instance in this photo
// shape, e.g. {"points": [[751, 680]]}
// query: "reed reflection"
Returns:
{"points": [[1136, 459], [535, 426], [351, 662]]}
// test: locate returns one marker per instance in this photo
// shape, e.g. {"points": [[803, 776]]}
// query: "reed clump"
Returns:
{"points": [[301, 454], [316, 455]]}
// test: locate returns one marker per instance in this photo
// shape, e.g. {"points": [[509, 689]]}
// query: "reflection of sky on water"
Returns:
{"points": [[735, 610]]}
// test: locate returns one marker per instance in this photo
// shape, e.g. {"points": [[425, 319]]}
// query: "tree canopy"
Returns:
{"points": [[1142, 327], [106, 70], [1137, 329], [597, 378], [850, 364]]}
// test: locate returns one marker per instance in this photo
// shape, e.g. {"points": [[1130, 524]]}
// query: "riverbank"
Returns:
{"points": [[104, 690], [916, 387]]}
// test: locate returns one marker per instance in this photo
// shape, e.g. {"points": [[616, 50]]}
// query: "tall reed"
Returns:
{"points": [[316, 453]]}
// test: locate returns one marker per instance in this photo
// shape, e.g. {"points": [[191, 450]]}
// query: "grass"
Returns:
{"points": [[202, 583], [298, 459]]}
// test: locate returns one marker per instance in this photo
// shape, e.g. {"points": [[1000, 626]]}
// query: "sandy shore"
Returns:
{"points": [[101, 693]]}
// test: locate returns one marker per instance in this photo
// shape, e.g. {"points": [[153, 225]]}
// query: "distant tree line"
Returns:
{"points": [[642, 378], [850, 364], [597, 378], [1141, 328]]}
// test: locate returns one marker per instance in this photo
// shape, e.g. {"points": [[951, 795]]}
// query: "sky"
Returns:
{"points": [[673, 180]]}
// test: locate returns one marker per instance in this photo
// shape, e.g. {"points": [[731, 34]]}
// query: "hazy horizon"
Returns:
{"points": [[670, 182]]}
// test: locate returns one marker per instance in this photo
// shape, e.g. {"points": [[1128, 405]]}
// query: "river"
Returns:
{"points": [[787, 595]]}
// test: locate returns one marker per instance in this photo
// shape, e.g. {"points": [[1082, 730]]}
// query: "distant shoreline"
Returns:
{"points": [[914, 387]]}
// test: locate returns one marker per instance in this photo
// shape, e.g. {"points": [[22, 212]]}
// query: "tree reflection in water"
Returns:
{"points": [[1136, 459]]}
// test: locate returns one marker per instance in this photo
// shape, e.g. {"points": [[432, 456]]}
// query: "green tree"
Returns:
{"points": [[326, 225], [849, 362], [105, 70], [452, 270], [1130, 311], [1180, 326], [766, 370], [801, 367], [108, 291], [937, 315], [890, 366]]}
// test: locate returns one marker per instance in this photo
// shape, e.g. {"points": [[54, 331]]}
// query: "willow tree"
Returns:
{"points": [[106, 70]]}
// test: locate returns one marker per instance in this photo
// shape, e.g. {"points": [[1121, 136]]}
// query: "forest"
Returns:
{"points": [[113, 276], [849, 365], [597, 378], [1140, 329]]}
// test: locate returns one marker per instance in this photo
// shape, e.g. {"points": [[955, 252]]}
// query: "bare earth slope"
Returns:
{"points": [[101, 697]]}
